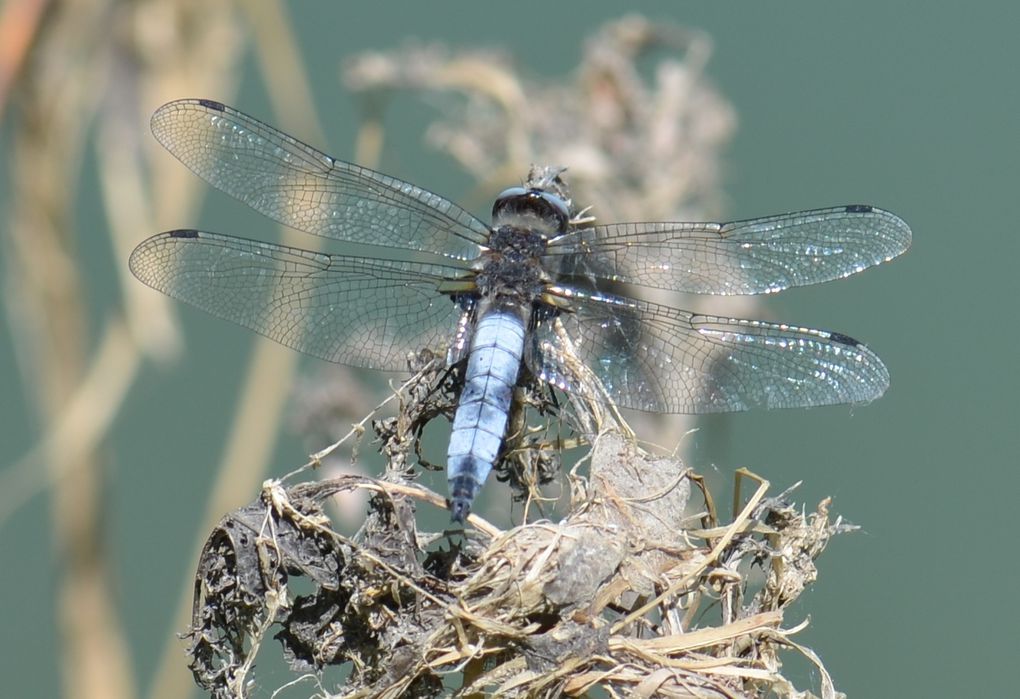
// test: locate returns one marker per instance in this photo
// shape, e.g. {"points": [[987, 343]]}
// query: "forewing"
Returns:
{"points": [[756, 256], [655, 358], [301, 187], [350, 310]]}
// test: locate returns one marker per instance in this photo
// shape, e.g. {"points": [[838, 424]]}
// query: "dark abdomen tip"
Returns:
{"points": [[460, 508]]}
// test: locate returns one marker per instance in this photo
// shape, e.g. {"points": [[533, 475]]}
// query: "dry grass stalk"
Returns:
{"points": [[86, 64]]}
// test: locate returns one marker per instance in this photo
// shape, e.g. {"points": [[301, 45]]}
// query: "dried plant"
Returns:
{"points": [[639, 590]]}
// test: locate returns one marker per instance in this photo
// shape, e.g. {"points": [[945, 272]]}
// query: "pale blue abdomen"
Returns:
{"points": [[480, 423]]}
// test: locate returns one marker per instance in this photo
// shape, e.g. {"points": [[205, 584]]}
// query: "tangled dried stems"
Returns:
{"points": [[638, 590]]}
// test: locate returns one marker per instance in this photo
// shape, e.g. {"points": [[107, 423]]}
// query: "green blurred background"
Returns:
{"points": [[912, 107]]}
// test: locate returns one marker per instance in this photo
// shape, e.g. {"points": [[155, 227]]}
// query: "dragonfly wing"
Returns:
{"points": [[357, 311], [301, 187], [756, 256], [655, 358]]}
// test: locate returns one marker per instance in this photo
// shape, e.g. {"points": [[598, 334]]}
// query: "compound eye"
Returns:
{"points": [[557, 205], [507, 197], [535, 202]]}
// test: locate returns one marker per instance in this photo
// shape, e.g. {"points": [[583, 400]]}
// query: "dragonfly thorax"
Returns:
{"points": [[512, 264]]}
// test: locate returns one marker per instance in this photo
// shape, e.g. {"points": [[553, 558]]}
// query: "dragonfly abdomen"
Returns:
{"points": [[480, 423]]}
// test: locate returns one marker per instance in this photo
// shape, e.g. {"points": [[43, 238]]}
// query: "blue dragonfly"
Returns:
{"points": [[537, 288]]}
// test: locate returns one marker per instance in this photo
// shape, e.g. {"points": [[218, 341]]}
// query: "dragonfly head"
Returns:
{"points": [[528, 207]]}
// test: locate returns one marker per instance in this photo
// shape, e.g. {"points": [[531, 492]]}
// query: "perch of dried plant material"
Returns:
{"points": [[636, 591]]}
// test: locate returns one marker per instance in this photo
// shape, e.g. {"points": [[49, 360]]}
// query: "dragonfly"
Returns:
{"points": [[538, 291]]}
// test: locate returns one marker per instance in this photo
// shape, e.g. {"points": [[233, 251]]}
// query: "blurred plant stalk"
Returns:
{"points": [[79, 64]]}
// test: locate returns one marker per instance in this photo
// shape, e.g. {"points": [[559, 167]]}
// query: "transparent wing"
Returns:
{"points": [[742, 257], [357, 311], [301, 187], [655, 358]]}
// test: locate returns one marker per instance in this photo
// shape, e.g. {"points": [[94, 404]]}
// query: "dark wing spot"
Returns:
{"points": [[183, 234], [859, 209], [844, 339], [212, 104]]}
